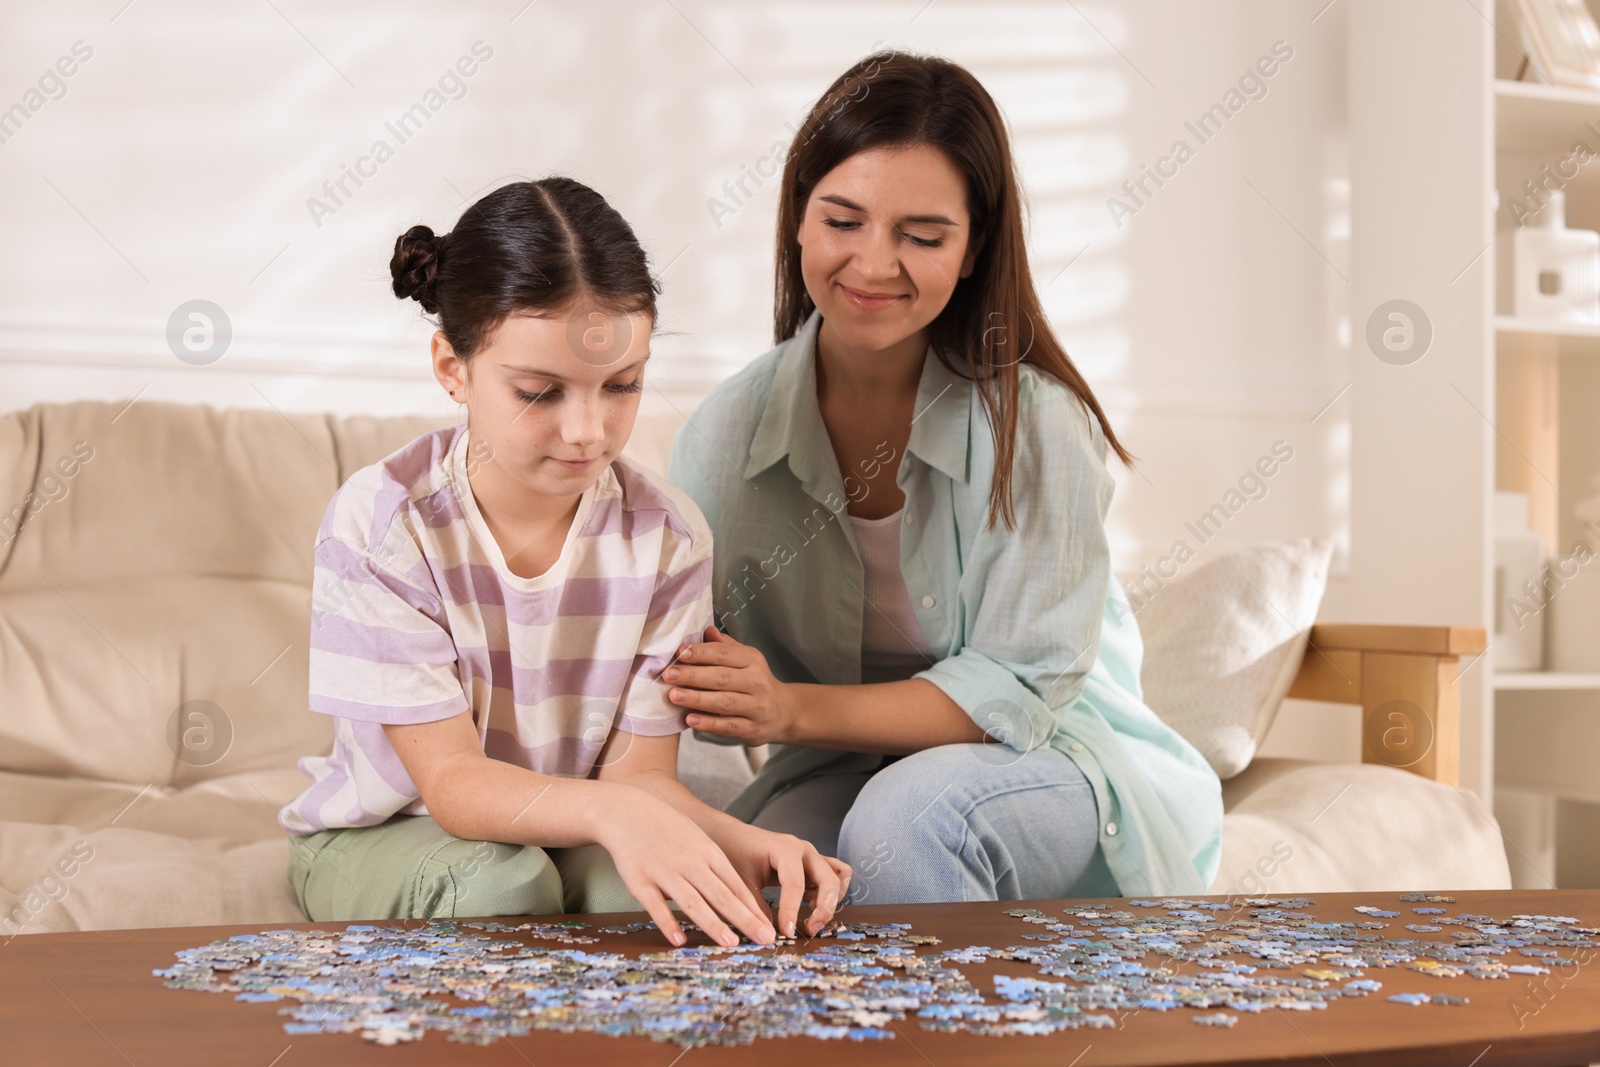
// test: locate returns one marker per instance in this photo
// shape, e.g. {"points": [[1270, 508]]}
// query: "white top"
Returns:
{"points": [[416, 617], [893, 646]]}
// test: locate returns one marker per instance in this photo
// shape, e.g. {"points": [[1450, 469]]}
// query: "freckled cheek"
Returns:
{"points": [[620, 422]]}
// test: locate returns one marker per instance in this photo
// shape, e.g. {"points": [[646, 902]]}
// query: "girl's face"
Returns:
{"points": [[883, 240], [551, 398]]}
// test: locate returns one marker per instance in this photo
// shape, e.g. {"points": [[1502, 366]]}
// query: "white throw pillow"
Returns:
{"points": [[1223, 642]]}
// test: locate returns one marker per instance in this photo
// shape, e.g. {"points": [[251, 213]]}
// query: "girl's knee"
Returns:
{"points": [[462, 878]]}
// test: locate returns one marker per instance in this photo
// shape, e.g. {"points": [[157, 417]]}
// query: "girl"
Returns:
{"points": [[492, 606], [912, 568]]}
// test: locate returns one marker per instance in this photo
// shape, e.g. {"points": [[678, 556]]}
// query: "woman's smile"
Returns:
{"points": [[869, 301]]}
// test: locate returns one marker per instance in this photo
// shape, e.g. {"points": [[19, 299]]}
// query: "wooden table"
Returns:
{"points": [[89, 998]]}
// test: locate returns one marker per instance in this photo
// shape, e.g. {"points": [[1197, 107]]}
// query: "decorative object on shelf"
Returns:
{"points": [[1519, 565], [1561, 40], [1557, 270], [1575, 610]]}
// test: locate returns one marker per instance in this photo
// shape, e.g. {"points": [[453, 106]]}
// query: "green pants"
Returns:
{"points": [[409, 868]]}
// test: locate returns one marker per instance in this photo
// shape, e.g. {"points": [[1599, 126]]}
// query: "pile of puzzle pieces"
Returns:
{"points": [[393, 983]]}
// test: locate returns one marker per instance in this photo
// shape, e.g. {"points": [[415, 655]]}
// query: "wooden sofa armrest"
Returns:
{"points": [[1407, 680]]}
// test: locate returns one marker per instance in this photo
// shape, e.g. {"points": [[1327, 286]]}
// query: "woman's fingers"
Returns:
{"points": [[721, 679], [722, 726], [715, 703], [724, 653]]}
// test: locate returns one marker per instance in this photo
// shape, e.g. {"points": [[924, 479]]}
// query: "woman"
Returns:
{"points": [[908, 497]]}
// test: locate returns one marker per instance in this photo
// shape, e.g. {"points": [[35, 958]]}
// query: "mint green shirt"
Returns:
{"points": [[1039, 645]]}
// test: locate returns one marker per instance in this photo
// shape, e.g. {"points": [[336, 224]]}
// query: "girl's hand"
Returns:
{"points": [[806, 876], [662, 855], [730, 691]]}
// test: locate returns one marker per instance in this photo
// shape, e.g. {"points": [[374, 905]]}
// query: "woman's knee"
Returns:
{"points": [[918, 796]]}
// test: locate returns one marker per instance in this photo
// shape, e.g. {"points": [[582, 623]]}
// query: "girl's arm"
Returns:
{"points": [[660, 853]]}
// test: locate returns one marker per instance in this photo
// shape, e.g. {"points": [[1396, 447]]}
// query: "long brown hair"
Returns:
{"points": [[900, 99]]}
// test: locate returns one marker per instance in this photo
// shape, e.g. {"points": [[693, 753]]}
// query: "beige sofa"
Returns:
{"points": [[163, 573]]}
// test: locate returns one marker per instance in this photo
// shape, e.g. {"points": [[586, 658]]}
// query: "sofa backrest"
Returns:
{"points": [[155, 582]]}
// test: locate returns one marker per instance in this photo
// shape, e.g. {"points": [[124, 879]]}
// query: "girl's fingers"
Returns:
{"points": [[727, 894], [842, 869], [704, 916], [829, 892], [792, 889], [656, 905]]}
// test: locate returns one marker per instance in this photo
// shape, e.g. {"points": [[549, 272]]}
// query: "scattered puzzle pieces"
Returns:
{"points": [[1092, 964]]}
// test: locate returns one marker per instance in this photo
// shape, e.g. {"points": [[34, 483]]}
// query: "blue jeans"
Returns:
{"points": [[951, 823]]}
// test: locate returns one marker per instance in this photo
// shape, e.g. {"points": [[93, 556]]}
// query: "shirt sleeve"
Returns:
{"points": [[680, 610], [380, 651], [1034, 597]]}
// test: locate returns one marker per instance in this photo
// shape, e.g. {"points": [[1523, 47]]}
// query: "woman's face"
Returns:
{"points": [[551, 398], [883, 240]]}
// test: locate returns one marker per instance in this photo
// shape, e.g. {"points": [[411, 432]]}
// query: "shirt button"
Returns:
{"points": [[928, 602], [907, 520], [1075, 747], [1111, 829]]}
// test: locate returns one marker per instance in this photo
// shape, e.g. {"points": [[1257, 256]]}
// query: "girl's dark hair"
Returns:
{"points": [[527, 247], [993, 320]]}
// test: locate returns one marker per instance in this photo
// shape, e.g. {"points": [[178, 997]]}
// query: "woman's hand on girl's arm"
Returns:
{"points": [[759, 857], [730, 691], [732, 685]]}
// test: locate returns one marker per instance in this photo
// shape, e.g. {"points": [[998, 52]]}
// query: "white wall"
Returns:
{"points": [[178, 164]]}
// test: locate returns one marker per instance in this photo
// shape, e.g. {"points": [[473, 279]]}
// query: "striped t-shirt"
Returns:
{"points": [[415, 617]]}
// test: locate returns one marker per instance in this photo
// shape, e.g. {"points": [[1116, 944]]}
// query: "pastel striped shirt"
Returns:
{"points": [[415, 617]]}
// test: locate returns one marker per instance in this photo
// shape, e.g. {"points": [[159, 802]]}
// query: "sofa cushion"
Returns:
{"points": [[86, 855], [63, 878], [1222, 644], [1295, 826], [173, 565]]}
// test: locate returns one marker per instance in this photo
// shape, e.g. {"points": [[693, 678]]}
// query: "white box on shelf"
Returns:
{"points": [[1557, 270], [1519, 597]]}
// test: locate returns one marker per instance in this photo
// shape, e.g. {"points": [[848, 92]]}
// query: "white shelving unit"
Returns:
{"points": [[1547, 392]]}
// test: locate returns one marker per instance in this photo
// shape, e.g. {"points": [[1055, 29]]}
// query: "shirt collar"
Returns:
{"points": [[791, 423]]}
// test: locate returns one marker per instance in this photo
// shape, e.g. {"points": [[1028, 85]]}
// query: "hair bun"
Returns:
{"points": [[415, 266]]}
